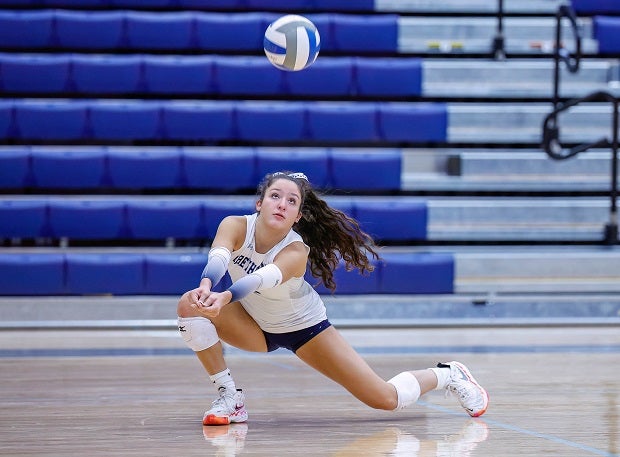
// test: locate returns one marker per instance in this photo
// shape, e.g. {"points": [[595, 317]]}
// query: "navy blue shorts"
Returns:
{"points": [[294, 340]]}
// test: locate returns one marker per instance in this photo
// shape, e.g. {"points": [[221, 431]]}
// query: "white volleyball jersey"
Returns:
{"points": [[290, 306]]}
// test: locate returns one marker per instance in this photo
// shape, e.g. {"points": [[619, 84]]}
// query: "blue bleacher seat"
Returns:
{"points": [[344, 5], [104, 30], [213, 5], [14, 167], [313, 81], [369, 34], [172, 274], [350, 282], [270, 121], [419, 122], [26, 29], [32, 274], [116, 274], [144, 168], [219, 169], [22, 218], [220, 32], [323, 23], [596, 6], [128, 4], [606, 30], [7, 127], [160, 31], [417, 273], [33, 73], [50, 120], [125, 120], [279, 5], [73, 168], [314, 162], [216, 209], [342, 122], [162, 219], [366, 170], [247, 76], [105, 74], [87, 219], [73, 3], [178, 74], [193, 121], [390, 219], [345, 204], [393, 77]]}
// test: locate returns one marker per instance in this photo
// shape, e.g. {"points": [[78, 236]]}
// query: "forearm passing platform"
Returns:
{"points": [[264, 278], [216, 265]]}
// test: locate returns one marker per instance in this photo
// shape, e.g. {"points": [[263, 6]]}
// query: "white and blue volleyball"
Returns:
{"points": [[292, 43]]}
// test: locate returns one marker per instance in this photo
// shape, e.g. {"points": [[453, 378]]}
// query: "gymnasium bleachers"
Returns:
{"points": [[129, 128]]}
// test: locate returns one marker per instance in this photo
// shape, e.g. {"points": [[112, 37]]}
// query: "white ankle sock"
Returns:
{"points": [[223, 378], [443, 376]]}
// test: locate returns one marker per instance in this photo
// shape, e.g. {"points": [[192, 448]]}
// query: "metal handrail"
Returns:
{"points": [[553, 147], [499, 51], [561, 54]]}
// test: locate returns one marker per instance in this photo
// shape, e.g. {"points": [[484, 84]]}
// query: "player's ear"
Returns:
{"points": [[258, 205]]}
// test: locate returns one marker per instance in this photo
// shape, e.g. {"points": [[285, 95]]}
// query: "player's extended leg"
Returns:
{"points": [[330, 354]]}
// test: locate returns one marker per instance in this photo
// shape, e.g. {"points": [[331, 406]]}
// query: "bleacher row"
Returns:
{"points": [[243, 121], [208, 75], [169, 273], [159, 218], [217, 169], [190, 32]]}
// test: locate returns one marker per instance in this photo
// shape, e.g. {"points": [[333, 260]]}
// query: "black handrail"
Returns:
{"points": [[553, 147], [498, 51], [561, 54]]}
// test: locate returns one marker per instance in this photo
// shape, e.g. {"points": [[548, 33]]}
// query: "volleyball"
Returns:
{"points": [[292, 43]]}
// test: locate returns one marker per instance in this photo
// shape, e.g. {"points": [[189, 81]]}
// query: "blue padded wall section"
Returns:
{"points": [[366, 170], [388, 76], [419, 122], [191, 75], [125, 121], [58, 120], [246, 76], [105, 74], [32, 274], [417, 273], [156, 31], [313, 162], [220, 170], [393, 219], [172, 274], [117, 274], [33, 73], [144, 168], [84, 30], [269, 122], [23, 218], [162, 219], [26, 29], [55, 168], [198, 121], [607, 33], [87, 219], [14, 167], [342, 122], [596, 6], [366, 34]]}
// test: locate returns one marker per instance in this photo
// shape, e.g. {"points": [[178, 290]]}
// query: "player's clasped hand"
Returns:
{"points": [[209, 304]]}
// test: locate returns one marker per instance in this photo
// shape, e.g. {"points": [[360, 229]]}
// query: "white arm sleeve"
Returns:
{"points": [[264, 278], [216, 265]]}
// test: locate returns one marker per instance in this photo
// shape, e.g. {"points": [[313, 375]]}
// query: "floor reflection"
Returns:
{"points": [[229, 440]]}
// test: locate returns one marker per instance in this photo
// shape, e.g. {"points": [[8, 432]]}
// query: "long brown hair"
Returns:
{"points": [[330, 233]]}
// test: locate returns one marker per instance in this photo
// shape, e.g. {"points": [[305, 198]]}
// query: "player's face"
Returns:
{"points": [[282, 203]]}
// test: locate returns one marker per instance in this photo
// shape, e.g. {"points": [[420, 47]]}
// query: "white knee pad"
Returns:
{"points": [[199, 333], [407, 389]]}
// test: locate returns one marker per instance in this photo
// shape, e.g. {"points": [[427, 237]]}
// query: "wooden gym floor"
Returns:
{"points": [[553, 391]]}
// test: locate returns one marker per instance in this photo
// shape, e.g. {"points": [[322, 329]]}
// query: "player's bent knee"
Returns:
{"points": [[199, 333], [407, 389]]}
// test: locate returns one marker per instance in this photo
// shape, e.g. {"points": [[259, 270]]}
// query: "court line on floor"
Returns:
{"points": [[523, 431], [371, 350]]}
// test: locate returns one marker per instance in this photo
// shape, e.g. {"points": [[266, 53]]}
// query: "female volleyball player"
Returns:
{"points": [[269, 304]]}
